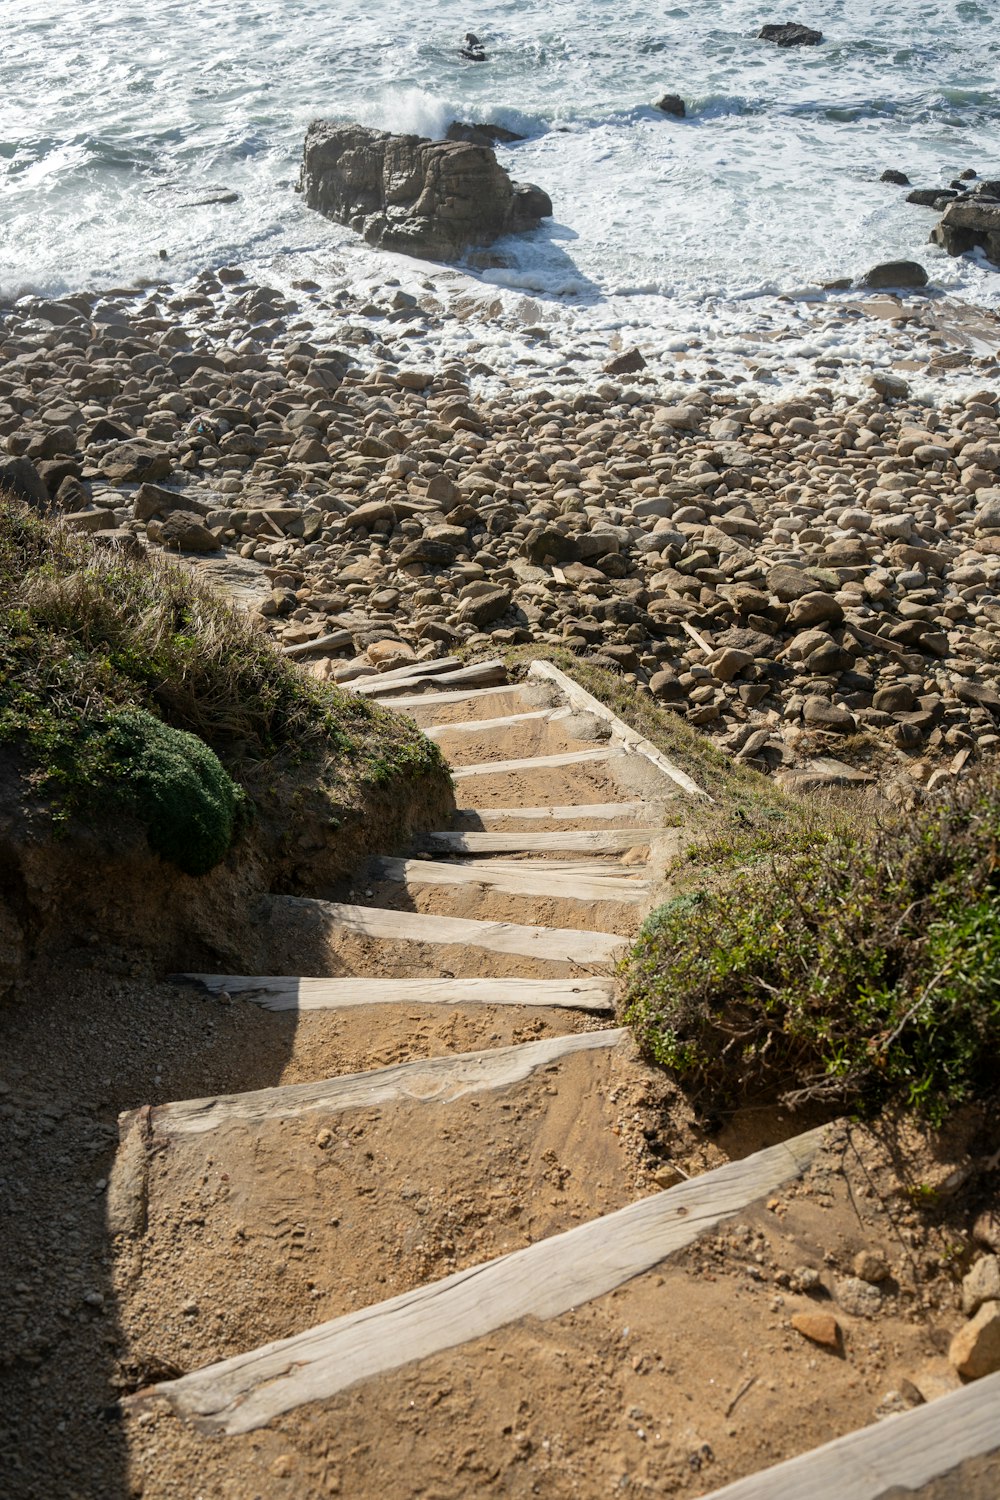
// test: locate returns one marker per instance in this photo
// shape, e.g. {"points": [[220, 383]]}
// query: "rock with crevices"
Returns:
{"points": [[433, 199]]}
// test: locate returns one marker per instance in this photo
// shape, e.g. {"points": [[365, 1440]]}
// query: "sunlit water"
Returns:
{"points": [[116, 119]]}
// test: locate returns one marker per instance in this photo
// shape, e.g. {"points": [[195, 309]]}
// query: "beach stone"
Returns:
{"points": [[982, 1284], [975, 1349], [815, 609], [433, 199], [858, 1298], [628, 363], [820, 713], [789, 583], [895, 273], [182, 531], [20, 477], [897, 178], [818, 1327], [871, 1266], [425, 550], [729, 663], [481, 135], [665, 686], [790, 34], [135, 462], [485, 607]]}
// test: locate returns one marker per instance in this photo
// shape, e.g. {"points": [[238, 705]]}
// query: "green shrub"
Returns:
{"points": [[174, 784], [862, 969]]}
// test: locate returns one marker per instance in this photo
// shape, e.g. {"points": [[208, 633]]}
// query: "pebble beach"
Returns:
{"points": [[805, 574]]}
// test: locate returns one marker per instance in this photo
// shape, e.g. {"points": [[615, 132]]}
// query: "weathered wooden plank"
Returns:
{"points": [[900, 1455], [403, 676], [289, 992], [525, 878], [487, 726], [337, 640], [435, 1080], [580, 812], [581, 699], [536, 762], [571, 945], [543, 1281], [483, 673], [458, 695], [593, 840]]}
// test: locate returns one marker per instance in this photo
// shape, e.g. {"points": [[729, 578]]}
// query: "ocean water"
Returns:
{"points": [[118, 122]]}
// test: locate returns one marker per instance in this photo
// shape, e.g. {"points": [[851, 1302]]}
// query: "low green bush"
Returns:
{"points": [[861, 969]]}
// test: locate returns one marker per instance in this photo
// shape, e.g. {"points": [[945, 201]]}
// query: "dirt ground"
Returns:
{"points": [[685, 1378]]}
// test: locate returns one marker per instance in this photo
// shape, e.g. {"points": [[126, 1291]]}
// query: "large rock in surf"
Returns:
{"points": [[790, 35], [895, 273], [434, 199], [967, 224]]}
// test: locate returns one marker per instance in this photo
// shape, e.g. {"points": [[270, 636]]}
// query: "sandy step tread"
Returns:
{"points": [[546, 1279], [590, 840], [568, 944], [580, 812], [537, 762], [278, 992], [519, 878], [430, 1080]]}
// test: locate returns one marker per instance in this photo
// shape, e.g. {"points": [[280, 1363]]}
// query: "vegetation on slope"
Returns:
{"points": [[815, 951], [860, 966], [125, 683]]}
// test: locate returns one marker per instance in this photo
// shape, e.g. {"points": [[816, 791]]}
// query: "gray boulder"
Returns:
{"points": [[433, 199]]}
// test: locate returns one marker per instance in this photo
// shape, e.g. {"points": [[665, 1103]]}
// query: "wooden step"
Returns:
{"points": [[434, 699], [623, 734], [480, 726], [567, 944], [546, 1279], [432, 1080], [898, 1457], [486, 673], [288, 992], [589, 881], [404, 675], [536, 762], [599, 812], [592, 840]]}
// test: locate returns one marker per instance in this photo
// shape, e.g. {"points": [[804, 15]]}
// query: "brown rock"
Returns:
{"points": [[975, 1349], [628, 363], [182, 532], [982, 1284], [818, 1327], [672, 104], [435, 199]]}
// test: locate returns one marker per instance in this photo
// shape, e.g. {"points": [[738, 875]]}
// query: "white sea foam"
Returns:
{"points": [[114, 119]]}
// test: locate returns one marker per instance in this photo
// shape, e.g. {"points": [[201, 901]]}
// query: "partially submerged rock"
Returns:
{"points": [[968, 224], [481, 135], [672, 104], [790, 34], [895, 273], [434, 199]]}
